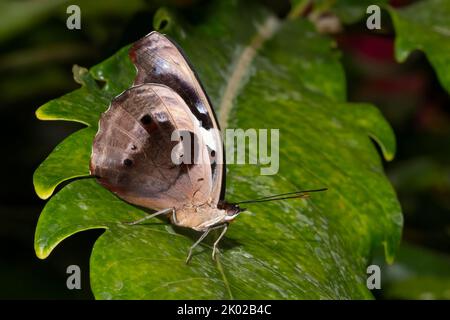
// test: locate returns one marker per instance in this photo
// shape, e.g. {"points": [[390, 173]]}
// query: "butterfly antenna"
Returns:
{"points": [[283, 196]]}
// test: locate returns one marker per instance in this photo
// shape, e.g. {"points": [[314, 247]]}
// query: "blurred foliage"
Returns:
{"points": [[348, 11], [413, 98], [336, 232], [37, 53], [22, 16], [425, 26], [416, 274]]}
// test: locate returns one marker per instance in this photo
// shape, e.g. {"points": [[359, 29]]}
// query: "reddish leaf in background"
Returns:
{"points": [[368, 47], [400, 3]]}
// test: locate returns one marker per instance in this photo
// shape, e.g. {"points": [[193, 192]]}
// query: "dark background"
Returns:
{"points": [[36, 58]]}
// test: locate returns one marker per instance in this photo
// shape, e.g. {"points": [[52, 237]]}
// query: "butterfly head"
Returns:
{"points": [[232, 210]]}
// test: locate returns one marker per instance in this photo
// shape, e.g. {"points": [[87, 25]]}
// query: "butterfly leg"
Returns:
{"points": [[203, 236], [174, 216], [165, 211], [224, 230]]}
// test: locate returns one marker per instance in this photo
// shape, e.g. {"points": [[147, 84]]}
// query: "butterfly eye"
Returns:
{"points": [[127, 162], [147, 119]]}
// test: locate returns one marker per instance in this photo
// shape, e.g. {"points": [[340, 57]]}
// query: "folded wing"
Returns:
{"points": [[134, 156], [159, 60]]}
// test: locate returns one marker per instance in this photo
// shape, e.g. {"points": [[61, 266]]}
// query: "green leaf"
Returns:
{"points": [[260, 73], [425, 26], [18, 16], [421, 288], [85, 104], [58, 167]]}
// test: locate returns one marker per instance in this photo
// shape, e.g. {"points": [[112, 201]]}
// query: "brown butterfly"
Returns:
{"points": [[135, 155]]}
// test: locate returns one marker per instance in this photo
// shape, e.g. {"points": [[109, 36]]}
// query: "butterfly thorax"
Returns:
{"points": [[204, 216]]}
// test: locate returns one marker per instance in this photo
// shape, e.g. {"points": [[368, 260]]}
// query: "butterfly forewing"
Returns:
{"points": [[159, 60]]}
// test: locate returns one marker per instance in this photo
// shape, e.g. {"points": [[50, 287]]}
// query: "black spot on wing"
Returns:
{"points": [[127, 162], [146, 119]]}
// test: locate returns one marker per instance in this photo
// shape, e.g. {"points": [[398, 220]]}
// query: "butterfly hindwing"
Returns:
{"points": [[133, 150]]}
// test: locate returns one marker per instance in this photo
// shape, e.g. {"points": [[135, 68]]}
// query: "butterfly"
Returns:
{"points": [[159, 146]]}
